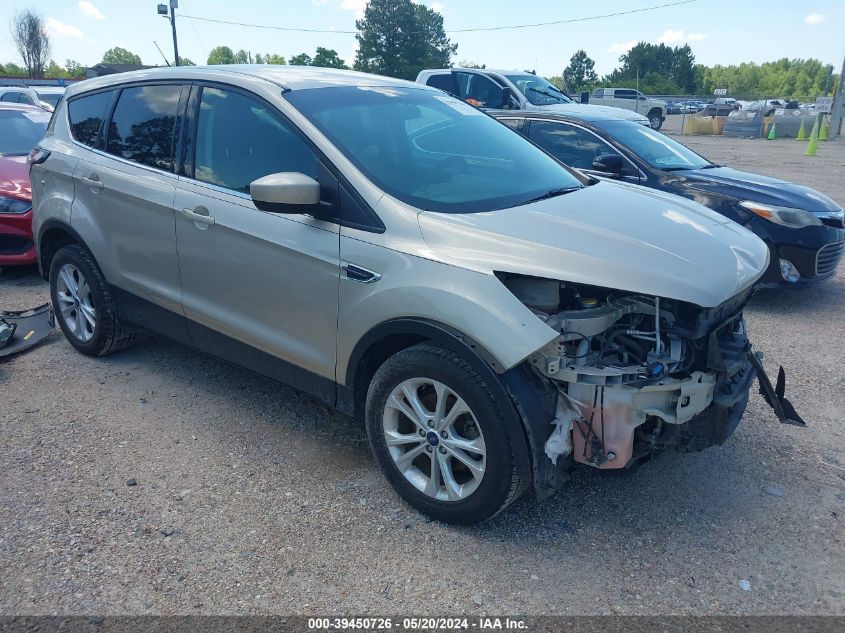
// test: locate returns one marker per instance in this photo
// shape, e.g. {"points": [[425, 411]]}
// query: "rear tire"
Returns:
{"points": [[452, 453], [83, 305]]}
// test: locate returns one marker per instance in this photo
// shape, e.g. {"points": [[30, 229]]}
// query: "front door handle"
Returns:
{"points": [[361, 275], [198, 216], [94, 182]]}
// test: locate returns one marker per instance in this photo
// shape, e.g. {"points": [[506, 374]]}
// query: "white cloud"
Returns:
{"points": [[622, 47], [357, 6], [90, 10], [815, 18], [671, 37], [61, 29]]}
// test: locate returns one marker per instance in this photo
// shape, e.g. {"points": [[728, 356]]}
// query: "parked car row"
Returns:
{"points": [[45, 97], [495, 316]]}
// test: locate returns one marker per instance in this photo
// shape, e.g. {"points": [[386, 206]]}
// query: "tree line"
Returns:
{"points": [[401, 37], [661, 69]]}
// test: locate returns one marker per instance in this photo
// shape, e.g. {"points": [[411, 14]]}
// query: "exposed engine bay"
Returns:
{"points": [[635, 374]]}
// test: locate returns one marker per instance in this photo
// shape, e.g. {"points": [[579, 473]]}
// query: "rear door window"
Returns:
{"points": [[573, 146], [86, 114], [445, 81], [10, 97], [143, 126]]}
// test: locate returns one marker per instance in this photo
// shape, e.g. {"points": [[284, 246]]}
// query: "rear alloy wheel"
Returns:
{"points": [[449, 445], [84, 306], [76, 307]]}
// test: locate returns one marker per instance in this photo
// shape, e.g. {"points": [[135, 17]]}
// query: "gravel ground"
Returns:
{"points": [[253, 498]]}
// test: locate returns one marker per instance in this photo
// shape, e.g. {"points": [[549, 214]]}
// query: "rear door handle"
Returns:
{"points": [[201, 218], [94, 183]]}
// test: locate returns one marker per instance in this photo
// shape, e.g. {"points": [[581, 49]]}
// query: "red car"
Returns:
{"points": [[21, 127]]}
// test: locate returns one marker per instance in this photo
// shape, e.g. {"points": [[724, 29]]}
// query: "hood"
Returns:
{"points": [[757, 188], [611, 235], [582, 109], [14, 177]]}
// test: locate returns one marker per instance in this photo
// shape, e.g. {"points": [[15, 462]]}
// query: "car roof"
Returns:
{"points": [[572, 116], [288, 77], [20, 107], [50, 89]]}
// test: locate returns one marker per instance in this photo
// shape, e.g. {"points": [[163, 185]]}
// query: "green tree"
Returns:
{"points": [[221, 55], [118, 55], [327, 58], [243, 57], [184, 61], [74, 68], [303, 59], [13, 70], [467, 63], [677, 65], [54, 71], [271, 58], [580, 74], [399, 38]]}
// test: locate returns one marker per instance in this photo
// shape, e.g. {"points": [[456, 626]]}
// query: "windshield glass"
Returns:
{"points": [[50, 97], [21, 131], [431, 150], [537, 90], [657, 149]]}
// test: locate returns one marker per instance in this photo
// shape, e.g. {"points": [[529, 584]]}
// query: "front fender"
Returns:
{"points": [[475, 304]]}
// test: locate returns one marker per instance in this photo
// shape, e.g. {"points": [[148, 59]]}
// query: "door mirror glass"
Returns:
{"points": [[285, 192], [609, 164]]}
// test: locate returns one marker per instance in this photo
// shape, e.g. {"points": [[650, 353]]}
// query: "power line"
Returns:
{"points": [[470, 30]]}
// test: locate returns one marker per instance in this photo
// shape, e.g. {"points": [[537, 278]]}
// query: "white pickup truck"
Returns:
{"points": [[630, 99]]}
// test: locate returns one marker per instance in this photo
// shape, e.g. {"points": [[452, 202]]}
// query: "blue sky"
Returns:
{"points": [[719, 31]]}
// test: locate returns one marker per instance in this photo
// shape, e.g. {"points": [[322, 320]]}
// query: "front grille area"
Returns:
{"points": [[827, 259], [837, 223], [14, 244]]}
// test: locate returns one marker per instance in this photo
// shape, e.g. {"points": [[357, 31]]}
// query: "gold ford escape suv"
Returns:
{"points": [[495, 317]]}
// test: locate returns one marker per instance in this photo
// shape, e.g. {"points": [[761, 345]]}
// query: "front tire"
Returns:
{"points": [[655, 120], [442, 438], [83, 305]]}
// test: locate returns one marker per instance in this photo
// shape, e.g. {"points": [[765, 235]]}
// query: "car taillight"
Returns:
{"points": [[37, 156]]}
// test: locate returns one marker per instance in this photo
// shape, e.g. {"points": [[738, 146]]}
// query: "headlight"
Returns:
{"points": [[13, 205], [785, 216]]}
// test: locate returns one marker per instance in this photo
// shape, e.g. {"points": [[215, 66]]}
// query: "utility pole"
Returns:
{"points": [[836, 111], [162, 11]]}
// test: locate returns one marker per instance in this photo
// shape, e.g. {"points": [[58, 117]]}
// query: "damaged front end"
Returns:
{"points": [[630, 375]]}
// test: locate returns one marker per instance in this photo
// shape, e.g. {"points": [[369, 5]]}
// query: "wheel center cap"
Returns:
{"points": [[432, 438]]}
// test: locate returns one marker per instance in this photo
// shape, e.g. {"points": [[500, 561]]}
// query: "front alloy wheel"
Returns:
{"points": [[434, 439], [446, 435]]}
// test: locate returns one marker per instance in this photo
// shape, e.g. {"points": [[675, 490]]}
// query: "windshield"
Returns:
{"points": [[657, 149], [21, 131], [537, 90], [50, 97], [431, 150]]}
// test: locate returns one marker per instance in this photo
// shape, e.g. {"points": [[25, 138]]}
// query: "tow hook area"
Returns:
{"points": [[782, 407]]}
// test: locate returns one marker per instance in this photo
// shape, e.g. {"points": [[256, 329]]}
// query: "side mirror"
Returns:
{"points": [[286, 192], [609, 164]]}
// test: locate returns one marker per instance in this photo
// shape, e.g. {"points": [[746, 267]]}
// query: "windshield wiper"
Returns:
{"points": [[711, 166], [546, 93], [553, 193]]}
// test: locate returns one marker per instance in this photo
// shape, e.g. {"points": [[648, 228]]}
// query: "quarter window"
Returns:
{"points": [[143, 126], [11, 97], [445, 82], [86, 114], [240, 139], [571, 145]]}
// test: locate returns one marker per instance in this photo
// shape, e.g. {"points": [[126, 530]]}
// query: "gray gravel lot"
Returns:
{"points": [[253, 498]]}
